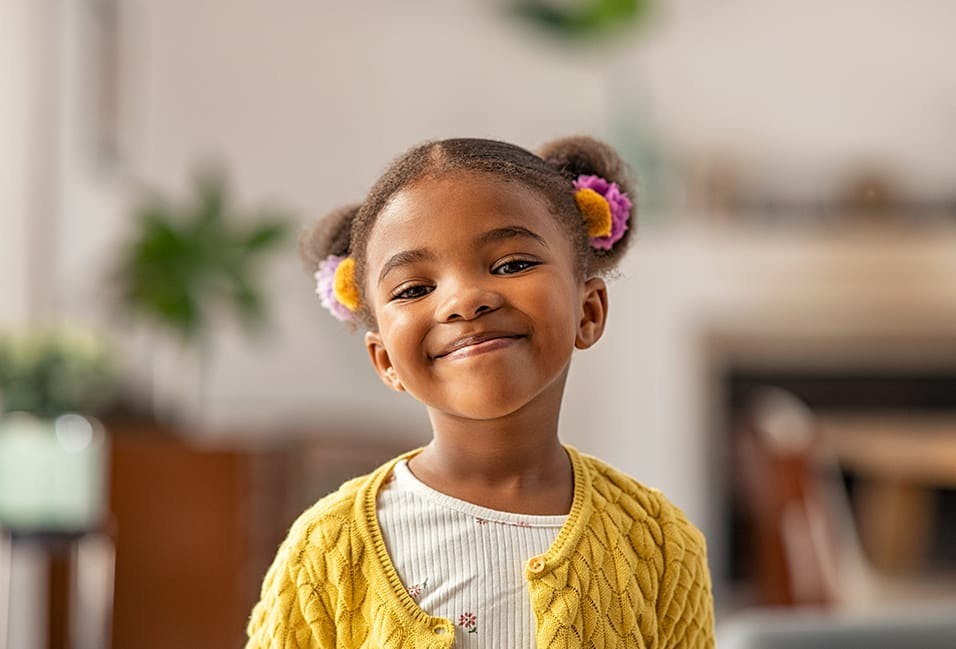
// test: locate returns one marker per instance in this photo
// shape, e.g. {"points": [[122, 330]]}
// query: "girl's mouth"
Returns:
{"points": [[468, 346]]}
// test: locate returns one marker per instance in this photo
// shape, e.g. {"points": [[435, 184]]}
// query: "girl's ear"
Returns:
{"points": [[381, 362], [593, 313]]}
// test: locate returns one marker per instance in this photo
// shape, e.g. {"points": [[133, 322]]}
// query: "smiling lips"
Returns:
{"points": [[478, 344]]}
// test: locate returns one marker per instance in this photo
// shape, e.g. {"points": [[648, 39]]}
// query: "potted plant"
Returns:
{"points": [[52, 449], [188, 265]]}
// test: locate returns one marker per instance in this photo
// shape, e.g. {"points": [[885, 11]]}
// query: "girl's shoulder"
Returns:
{"points": [[342, 510], [340, 503], [626, 499], [322, 524]]}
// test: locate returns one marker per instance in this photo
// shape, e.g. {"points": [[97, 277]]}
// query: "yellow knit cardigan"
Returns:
{"points": [[626, 570]]}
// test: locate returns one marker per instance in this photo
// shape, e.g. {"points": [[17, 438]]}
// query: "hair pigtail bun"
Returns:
{"points": [[601, 183], [325, 250]]}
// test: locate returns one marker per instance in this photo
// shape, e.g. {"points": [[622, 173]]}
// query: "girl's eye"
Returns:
{"points": [[411, 292], [514, 266]]}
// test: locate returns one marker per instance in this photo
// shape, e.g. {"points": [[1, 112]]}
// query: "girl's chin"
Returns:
{"points": [[480, 409], [497, 396]]}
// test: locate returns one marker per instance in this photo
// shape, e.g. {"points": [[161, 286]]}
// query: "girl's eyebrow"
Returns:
{"points": [[508, 232], [403, 259]]}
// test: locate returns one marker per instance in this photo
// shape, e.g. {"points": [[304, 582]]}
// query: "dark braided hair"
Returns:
{"points": [[345, 231]]}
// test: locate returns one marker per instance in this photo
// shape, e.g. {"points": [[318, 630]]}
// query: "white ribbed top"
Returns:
{"points": [[464, 562]]}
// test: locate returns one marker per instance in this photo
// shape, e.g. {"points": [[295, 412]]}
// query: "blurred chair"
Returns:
{"points": [[807, 549], [799, 528]]}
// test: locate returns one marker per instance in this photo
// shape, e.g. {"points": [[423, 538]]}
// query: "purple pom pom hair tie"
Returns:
{"points": [[325, 288], [618, 202]]}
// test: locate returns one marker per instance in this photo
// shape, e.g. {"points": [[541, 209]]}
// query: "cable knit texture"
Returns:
{"points": [[627, 570]]}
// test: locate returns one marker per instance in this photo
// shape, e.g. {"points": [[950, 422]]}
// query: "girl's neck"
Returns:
{"points": [[515, 463]]}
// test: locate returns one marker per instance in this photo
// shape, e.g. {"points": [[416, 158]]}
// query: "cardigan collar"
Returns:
{"points": [[398, 599]]}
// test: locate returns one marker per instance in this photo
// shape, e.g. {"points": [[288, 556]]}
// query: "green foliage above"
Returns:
{"points": [[186, 264], [583, 19], [49, 372]]}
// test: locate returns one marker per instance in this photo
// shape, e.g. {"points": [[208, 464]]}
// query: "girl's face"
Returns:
{"points": [[472, 283]]}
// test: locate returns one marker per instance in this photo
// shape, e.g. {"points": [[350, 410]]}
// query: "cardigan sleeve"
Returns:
{"points": [[685, 604], [294, 611]]}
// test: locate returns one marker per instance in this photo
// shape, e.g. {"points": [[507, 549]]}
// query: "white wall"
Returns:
{"points": [[307, 102], [26, 159], [21, 71], [799, 92]]}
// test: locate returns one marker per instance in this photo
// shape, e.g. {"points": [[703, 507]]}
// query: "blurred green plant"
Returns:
{"points": [[48, 372], [580, 19], [185, 264]]}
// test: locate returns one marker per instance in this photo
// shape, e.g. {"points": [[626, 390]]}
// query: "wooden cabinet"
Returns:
{"points": [[182, 544], [197, 527]]}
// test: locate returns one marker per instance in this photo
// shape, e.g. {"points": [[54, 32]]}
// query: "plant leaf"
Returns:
{"points": [[184, 264]]}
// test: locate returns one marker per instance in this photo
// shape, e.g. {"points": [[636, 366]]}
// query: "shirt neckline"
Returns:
{"points": [[406, 480]]}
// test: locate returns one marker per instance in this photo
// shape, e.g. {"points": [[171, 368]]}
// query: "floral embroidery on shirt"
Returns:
{"points": [[468, 621], [416, 589], [485, 521]]}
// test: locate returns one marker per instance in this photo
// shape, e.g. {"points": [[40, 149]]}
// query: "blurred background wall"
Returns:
{"points": [[794, 162]]}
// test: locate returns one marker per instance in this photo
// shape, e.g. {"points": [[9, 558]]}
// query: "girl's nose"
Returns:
{"points": [[466, 301]]}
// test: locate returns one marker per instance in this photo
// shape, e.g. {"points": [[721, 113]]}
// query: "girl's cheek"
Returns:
{"points": [[395, 317]]}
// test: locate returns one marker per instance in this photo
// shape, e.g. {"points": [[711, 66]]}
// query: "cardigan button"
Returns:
{"points": [[537, 565]]}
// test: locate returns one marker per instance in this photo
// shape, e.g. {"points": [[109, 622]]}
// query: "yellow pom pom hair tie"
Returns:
{"points": [[596, 212], [605, 208], [335, 284], [343, 284]]}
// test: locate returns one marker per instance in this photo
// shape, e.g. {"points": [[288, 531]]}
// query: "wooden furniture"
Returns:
{"points": [[792, 536], [899, 460], [181, 539], [808, 547], [198, 525]]}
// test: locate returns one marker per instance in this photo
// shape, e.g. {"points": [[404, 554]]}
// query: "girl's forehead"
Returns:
{"points": [[459, 204]]}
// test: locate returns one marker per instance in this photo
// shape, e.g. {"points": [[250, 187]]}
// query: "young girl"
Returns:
{"points": [[476, 269]]}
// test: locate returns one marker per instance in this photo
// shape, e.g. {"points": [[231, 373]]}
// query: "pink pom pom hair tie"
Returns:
{"points": [[606, 210]]}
